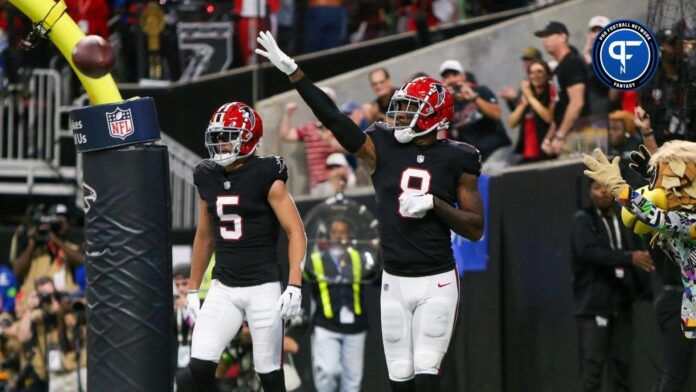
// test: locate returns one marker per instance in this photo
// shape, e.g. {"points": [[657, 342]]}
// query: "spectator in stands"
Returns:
{"points": [[594, 26], [341, 176], [356, 113], [597, 92], [416, 15], [622, 140], [49, 253], [534, 111], [668, 98], [251, 18], [383, 87], [476, 117], [325, 25], [340, 325], [369, 19], [608, 277], [622, 134], [127, 67], [286, 26], [571, 78], [319, 144], [510, 94]]}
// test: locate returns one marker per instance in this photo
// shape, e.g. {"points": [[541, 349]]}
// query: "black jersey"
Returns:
{"points": [[245, 225], [417, 247]]}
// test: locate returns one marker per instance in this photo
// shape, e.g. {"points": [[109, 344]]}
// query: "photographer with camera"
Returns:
{"points": [[9, 351], [53, 326], [48, 252], [476, 118]]}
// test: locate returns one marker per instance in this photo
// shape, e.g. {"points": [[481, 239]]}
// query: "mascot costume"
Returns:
{"points": [[666, 207]]}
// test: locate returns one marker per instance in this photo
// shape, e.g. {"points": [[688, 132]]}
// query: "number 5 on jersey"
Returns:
{"points": [[227, 232]]}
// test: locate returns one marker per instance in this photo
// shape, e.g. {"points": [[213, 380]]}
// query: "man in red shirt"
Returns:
{"points": [[319, 144]]}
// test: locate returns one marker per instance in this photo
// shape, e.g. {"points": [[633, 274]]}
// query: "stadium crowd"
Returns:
{"points": [[140, 29]]}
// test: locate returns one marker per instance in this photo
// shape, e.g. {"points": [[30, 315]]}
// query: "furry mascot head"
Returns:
{"points": [[673, 169]]}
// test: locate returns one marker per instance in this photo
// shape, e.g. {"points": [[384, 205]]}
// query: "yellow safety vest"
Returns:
{"points": [[324, 286], [207, 278]]}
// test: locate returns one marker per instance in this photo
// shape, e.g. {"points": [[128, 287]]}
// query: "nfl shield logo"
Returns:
{"points": [[420, 158], [120, 123], [226, 184]]}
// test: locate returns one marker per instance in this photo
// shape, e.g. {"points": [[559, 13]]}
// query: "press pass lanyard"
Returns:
{"points": [[613, 243]]}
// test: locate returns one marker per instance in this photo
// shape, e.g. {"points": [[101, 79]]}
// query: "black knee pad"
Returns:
{"points": [[427, 382], [273, 381], [203, 373], [403, 386]]}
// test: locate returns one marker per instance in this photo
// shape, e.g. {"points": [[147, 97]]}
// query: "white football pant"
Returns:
{"points": [[418, 315], [222, 314]]}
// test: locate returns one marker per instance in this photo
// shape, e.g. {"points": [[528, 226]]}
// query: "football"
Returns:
{"points": [[93, 56]]}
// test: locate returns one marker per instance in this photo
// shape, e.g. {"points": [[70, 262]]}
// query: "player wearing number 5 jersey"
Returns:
{"points": [[418, 181], [243, 202]]}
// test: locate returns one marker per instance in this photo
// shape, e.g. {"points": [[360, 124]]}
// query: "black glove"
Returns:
{"points": [[640, 162]]}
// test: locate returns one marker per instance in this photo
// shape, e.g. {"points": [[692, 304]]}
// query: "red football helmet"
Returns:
{"points": [[420, 106], [234, 132]]}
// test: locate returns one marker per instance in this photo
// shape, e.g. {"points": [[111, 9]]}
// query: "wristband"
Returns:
{"points": [[294, 285], [559, 137], [648, 133], [193, 291]]}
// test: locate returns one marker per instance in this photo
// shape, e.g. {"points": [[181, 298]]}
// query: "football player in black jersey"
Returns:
{"points": [[243, 201], [418, 181]]}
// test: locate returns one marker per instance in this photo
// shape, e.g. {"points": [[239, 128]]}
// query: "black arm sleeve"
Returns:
{"points": [[347, 133]]}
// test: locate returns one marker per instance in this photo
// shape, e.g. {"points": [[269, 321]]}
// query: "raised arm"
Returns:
{"points": [[344, 129], [677, 224], [288, 133], [681, 225], [517, 114]]}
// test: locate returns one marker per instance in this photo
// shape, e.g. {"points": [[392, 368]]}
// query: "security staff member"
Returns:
{"points": [[605, 283], [338, 339]]}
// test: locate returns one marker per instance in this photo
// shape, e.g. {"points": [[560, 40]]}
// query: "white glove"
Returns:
{"points": [[415, 205], [193, 304], [273, 53], [290, 302]]}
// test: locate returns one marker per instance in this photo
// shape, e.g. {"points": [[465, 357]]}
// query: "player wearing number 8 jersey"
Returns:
{"points": [[243, 202], [417, 179]]}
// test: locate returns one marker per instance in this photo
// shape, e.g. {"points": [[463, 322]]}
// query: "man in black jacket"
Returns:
{"points": [[607, 278]]}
